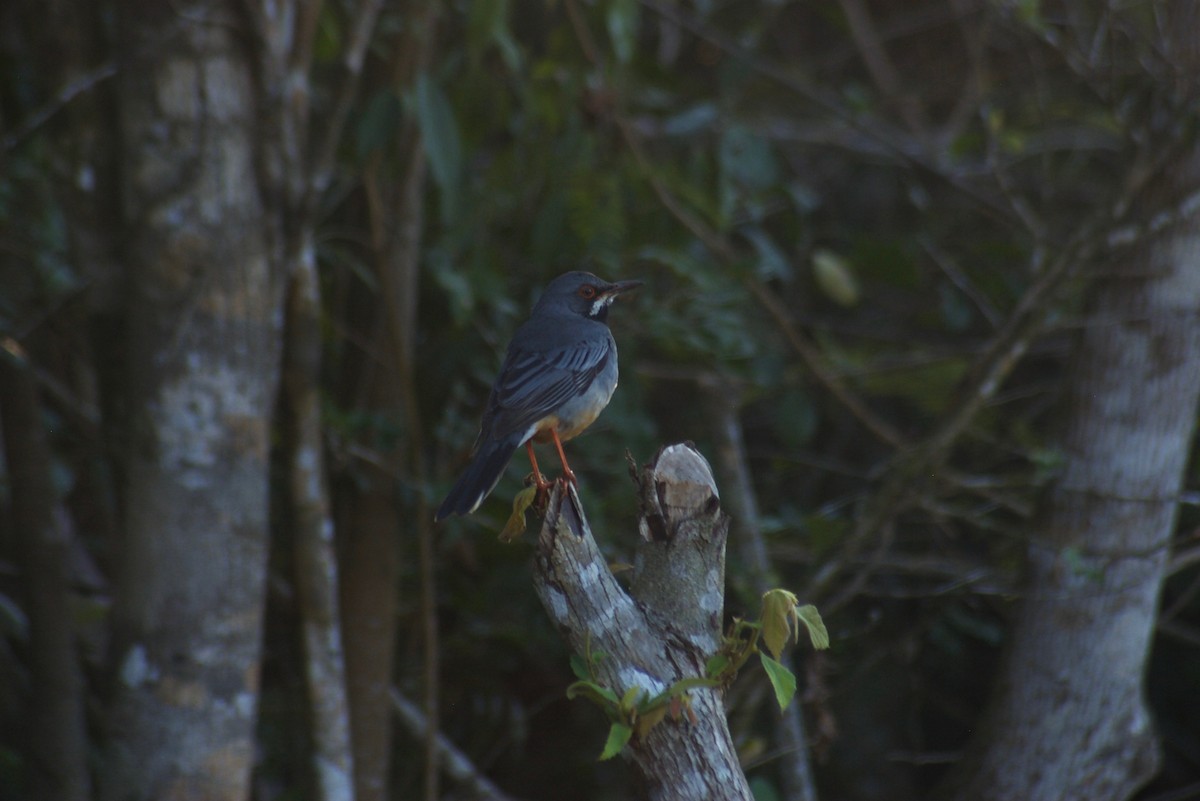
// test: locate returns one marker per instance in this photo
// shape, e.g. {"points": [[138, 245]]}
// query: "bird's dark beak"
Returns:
{"points": [[621, 287]]}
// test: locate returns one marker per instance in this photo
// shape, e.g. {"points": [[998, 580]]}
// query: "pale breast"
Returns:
{"points": [[578, 413]]}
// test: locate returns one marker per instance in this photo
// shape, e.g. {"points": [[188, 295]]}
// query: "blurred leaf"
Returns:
{"points": [[772, 263], [835, 277], [487, 24], [692, 120], [515, 526], [975, 625], [763, 789], [327, 45], [622, 21], [746, 158], [956, 312], [824, 531], [778, 618], [458, 288], [783, 681], [14, 623], [1030, 12], [441, 140], [929, 386], [650, 719], [618, 735], [716, 665], [579, 667], [604, 697], [811, 618], [379, 123]]}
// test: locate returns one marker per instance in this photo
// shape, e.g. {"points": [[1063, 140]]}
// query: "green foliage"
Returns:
{"points": [[898, 249], [783, 681], [636, 712], [439, 135]]}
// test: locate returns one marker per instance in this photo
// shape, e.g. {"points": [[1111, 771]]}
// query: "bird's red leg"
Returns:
{"points": [[568, 473], [541, 483]]}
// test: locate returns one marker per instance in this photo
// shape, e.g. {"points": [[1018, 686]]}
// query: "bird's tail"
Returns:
{"points": [[480, 477]]}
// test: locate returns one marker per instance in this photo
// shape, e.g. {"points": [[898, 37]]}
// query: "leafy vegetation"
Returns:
{"points": [[872, 239]]}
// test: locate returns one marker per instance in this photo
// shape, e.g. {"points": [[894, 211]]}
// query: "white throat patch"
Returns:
{"points": [[599, 303]]}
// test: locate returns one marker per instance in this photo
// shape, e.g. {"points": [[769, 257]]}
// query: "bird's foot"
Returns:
{"points": [[538, 480], [569, 475]]}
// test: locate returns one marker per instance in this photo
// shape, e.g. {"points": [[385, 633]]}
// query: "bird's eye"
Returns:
{"points": [[587, 292]]}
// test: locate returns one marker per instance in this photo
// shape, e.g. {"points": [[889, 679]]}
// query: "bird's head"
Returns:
{"points": [[583, 294]]}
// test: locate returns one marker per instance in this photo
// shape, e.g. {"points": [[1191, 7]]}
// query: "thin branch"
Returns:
{"points": [[880, 66], [325, 156], [957, 277], [457, 765], [61, 99]]}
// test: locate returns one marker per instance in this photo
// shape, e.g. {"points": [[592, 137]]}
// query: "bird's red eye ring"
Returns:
{"points": [[587, 292]]}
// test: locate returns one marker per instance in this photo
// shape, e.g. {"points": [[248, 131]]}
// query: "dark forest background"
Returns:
{"points": [[922, 282]]}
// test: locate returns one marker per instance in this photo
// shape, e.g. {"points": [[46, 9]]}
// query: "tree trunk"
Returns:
{"points": [[1070, 720], [204, 315], [663, 630], [56, 744], [368, 579], [315, 556]]}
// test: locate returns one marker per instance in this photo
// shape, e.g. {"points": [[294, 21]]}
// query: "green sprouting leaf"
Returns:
{"points": [[778, 617], [651, 718], [835, 277], [782, 680], [618, 736], [622, 21], [579, 667], [811, 618], [515, 526], [629, 699], [603, 696], [716, 665], [441, 139]]}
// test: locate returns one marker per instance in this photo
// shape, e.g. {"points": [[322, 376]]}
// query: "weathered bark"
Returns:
{"points": [[203, 359], [1070, 720], [56, 745], [315, 556], [660, 632], [299, 161]]}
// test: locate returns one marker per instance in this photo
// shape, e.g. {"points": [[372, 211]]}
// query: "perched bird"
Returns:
{"points": [[558, 375]]}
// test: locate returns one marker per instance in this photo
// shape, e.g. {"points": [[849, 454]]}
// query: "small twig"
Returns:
{"points": [[880, 66], [65, 95], [960, 280], [321, 173], [457, 765]]}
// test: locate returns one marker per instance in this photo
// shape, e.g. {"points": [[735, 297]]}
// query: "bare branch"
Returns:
{"points": [[65, 95], [660, 633], [457, 765]]}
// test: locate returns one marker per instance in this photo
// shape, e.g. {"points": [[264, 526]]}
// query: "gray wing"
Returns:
{"points": [[533, 384]]}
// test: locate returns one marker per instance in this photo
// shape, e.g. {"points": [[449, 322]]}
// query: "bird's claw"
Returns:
{"points": [[538, 480]]}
